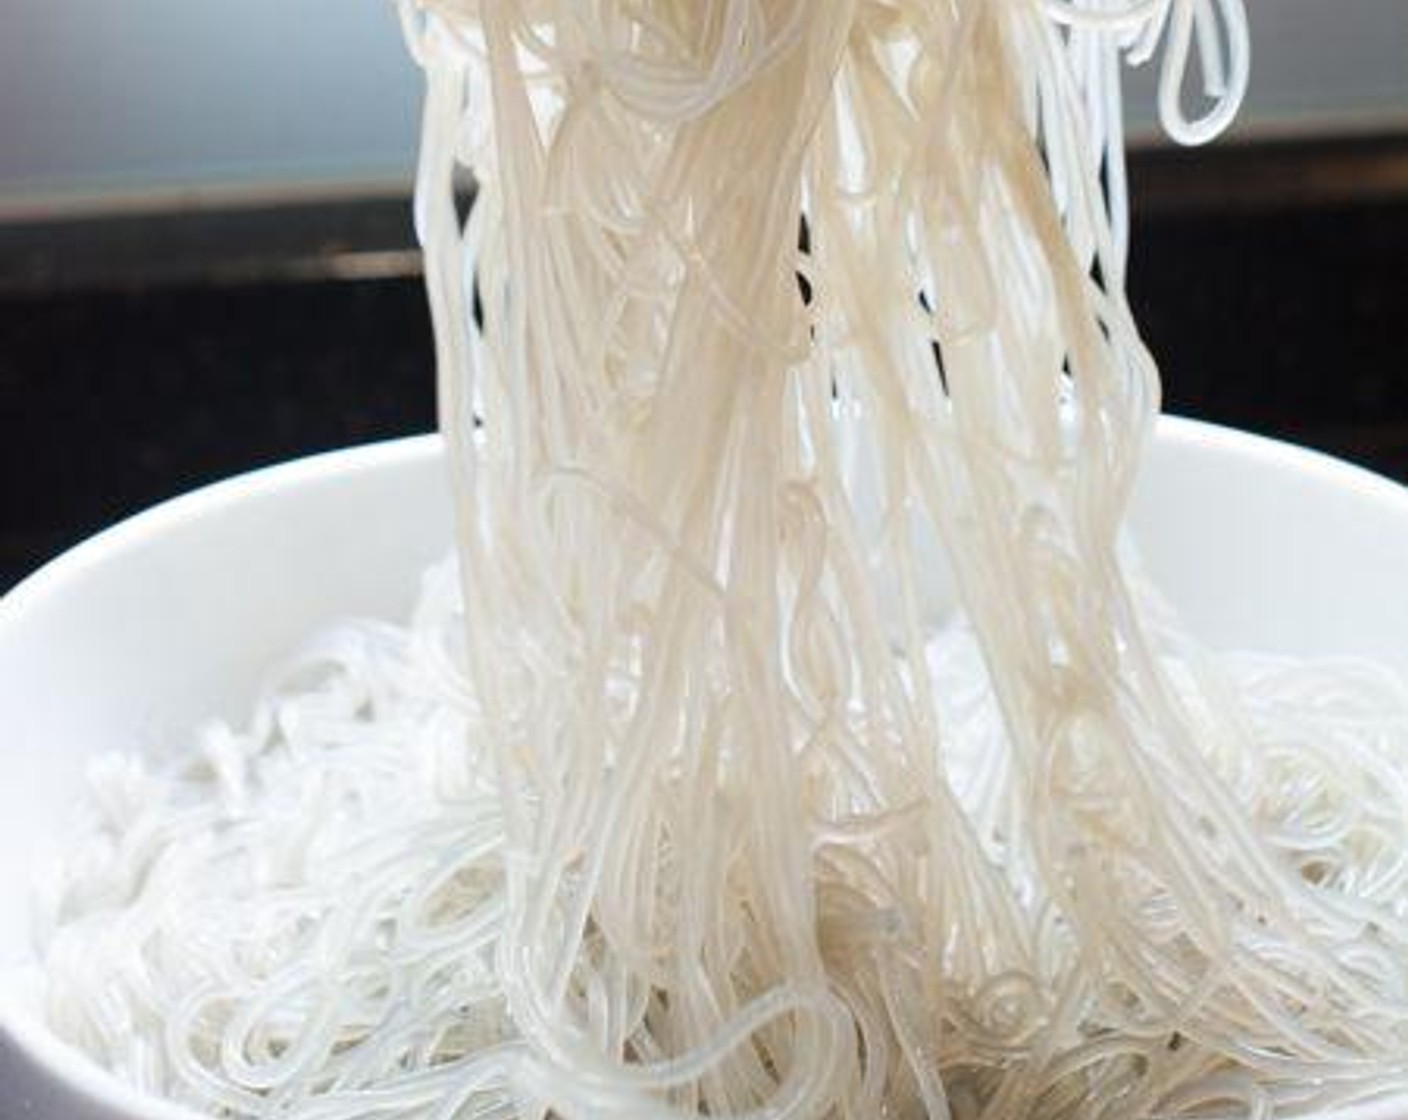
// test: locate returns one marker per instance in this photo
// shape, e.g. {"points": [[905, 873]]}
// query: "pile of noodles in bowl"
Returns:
{"points": [[843, 698]]}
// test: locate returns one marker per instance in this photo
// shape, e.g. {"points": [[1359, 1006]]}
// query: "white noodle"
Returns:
{"points": [[691, 802]]}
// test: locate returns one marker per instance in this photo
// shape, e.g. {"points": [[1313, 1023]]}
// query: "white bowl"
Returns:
{"points": [[170, 617]]}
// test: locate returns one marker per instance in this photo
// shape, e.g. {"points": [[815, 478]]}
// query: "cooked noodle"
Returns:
{"points": [[694, 799]]}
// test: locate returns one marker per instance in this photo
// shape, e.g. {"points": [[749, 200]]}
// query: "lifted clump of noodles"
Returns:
{"points": [[693, 802]]}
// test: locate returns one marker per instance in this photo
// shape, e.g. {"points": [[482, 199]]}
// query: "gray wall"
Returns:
{"points": [[121, 96], [108, 98], [1328, 64]]}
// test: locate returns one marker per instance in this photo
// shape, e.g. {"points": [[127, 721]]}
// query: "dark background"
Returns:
{"points": [[146, 354]]}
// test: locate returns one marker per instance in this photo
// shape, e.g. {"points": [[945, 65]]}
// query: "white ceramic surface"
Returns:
{"points": [[138, 634]]}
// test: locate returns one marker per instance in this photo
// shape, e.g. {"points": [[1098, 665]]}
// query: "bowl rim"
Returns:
{"points": [[207, 500], [210, 498], [75, 1072]]}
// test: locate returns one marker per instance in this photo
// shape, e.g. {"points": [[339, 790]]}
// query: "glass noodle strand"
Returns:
{"points": [[794, 734]]}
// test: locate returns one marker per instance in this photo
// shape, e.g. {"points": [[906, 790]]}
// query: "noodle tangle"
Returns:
{"points": [[687, 792]]}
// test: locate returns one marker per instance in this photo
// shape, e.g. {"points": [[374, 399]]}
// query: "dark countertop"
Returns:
{"points": [[142, 356]]}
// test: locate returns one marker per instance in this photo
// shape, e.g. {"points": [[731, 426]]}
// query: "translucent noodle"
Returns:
{"points": [[699, 786]]}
